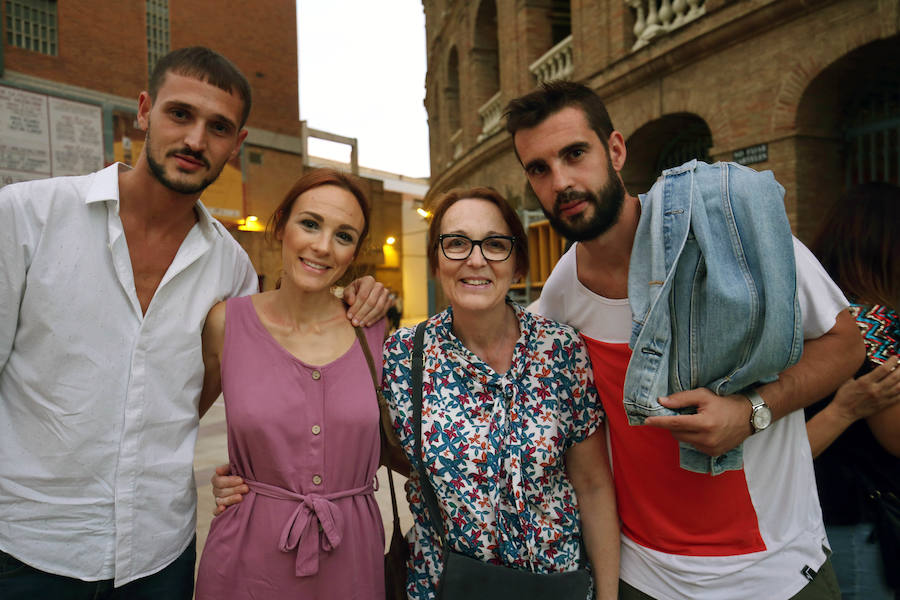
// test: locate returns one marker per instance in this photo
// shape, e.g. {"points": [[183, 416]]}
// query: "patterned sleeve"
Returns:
{"points": [[579, 402], [880, 329], [587, 411], [395, 384]]}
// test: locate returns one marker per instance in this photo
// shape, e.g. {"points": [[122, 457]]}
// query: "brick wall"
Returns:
{"points": [[102, 46], [260, 37], [269, 179]]}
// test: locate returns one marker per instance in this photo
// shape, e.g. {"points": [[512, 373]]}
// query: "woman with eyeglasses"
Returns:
{"points": [[513, 442]]}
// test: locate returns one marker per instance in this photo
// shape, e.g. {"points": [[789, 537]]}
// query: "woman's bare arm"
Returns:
{"points": [[213, 341], [587, 465]]}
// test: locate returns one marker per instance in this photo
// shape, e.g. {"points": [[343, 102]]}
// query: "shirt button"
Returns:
{"points": [[316, 375], [316, 429], [317, 480]]}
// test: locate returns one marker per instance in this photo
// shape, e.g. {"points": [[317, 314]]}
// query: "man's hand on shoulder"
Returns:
{"points": [[720, 424], [368, 301]]}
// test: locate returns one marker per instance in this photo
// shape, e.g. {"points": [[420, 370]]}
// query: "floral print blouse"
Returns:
{"points": [[494, 446]]}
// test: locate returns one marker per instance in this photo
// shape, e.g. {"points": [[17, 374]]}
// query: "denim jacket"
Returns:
{"points": [[713, 288]]}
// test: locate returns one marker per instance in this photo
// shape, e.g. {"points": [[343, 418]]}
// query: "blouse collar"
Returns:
{"points": [[451, 346]]}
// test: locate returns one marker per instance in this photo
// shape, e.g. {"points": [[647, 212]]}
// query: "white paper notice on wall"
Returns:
{"points": [[44, 136], [24, 136], [76, 137]]}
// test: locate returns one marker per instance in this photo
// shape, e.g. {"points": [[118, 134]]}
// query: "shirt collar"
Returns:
{"points": [[105, 185], [209, 225], [449, 343], [105, 188]]}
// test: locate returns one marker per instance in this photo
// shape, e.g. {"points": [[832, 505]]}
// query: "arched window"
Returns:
{"points": [[451, 92], [485, 53], [560, 20]]}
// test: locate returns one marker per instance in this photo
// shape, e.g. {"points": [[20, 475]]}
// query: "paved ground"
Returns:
{"points": [[212, 451]]}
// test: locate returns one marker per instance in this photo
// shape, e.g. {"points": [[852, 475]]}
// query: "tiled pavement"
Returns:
{"points": [[212, 451]]}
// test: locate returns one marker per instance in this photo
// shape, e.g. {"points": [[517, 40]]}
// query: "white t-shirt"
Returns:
{"points": [[743, 534]]}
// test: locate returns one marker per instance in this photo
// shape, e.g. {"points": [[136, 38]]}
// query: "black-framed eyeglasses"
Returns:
{"points": [[495, 248]]}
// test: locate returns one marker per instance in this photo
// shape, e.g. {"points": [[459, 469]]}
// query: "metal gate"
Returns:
{"points": [[872, 138]]}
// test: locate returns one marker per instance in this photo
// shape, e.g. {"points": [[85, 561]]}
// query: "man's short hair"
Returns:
{"points": [[204, 64], [532, 109]]}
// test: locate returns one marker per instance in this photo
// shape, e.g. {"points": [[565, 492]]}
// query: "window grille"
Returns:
{"points": [[31, 24], [157, 31], [692, 141], [872, 137]]}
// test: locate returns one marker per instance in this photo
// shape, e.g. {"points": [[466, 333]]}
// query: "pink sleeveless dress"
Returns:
{"points": [[305, 438]]}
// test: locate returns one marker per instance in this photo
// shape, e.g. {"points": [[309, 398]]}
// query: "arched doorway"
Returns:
{"points": [[661, 144], [848, 129]]}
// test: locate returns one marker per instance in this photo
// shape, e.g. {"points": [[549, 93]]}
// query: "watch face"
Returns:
{"points": [[762, 417]]}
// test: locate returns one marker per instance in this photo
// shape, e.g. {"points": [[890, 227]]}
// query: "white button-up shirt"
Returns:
{"points": [[98, 402]]}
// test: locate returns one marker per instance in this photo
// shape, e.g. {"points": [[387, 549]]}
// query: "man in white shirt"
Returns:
{"points": [[755, 532], [105, 283]]}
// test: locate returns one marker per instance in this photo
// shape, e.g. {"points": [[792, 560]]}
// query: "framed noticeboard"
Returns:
{"points": [[45, 136]]}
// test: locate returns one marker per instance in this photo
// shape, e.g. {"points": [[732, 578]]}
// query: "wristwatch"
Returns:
{"points": [[760, 414]]}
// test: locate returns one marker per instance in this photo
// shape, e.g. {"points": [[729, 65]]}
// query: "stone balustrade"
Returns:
{"points": [[654, 18], [556, 63], [491, 112]]}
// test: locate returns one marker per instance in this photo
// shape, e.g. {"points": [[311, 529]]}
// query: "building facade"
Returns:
{"points": [[71, 73], [809, 90], [100, 54]]}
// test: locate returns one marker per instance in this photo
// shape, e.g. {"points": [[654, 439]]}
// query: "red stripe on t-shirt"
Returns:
{"points": [[662, 506]]}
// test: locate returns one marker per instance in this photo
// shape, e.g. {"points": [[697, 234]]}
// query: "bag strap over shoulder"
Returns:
{"points": [[418, 361], [364, 344]]}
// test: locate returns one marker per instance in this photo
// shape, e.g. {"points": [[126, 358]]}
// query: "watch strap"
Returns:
{"points": [[758, 404], [754, 397]]}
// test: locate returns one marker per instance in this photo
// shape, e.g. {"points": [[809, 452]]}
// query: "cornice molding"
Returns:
{"points": [[727, 26]]}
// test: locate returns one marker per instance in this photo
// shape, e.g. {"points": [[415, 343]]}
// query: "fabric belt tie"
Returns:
{"points": [[314, 513]]}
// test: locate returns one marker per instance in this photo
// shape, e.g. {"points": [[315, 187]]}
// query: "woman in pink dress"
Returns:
{"points": [[303, 420]]}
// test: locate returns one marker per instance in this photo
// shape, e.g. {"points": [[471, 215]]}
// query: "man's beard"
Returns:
{"points": [[607, 203], [159, 172]]}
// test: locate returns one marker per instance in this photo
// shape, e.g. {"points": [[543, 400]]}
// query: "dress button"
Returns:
{"points": [[316, 375], [316, 429], [317, 480]]}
